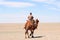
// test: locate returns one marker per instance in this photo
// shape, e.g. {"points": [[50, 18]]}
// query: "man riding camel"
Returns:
{"points": [[31, 18], [31, 25]]}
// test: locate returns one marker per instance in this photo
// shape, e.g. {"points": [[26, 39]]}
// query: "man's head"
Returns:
{"points": [[30, 13]]}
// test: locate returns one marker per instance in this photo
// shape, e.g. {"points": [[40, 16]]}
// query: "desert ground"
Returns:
{"points": [[15, 31]]}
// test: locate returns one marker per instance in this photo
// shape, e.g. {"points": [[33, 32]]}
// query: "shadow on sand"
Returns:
{"points": [[38, 36]]}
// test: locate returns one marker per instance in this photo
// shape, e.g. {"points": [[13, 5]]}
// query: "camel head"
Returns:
{"points": [[37, 21]]}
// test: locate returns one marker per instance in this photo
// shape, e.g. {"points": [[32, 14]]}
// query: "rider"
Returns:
{"points": [[30, 18]]}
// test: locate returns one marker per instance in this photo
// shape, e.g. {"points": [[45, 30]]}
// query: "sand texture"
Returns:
{"points": [[15, 31]]}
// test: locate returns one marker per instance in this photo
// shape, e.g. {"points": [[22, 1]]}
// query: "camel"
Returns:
{"points": [[31, 27]]}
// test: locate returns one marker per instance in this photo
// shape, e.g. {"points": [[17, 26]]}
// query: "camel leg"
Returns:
{"points": [[32, 33], [26, 34]]}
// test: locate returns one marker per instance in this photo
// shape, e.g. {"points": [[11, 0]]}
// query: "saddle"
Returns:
{"points": [[31, 22]]}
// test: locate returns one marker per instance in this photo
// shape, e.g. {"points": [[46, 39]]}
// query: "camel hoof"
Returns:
{"points": [[25, 37], [32, 36], [28, 37]]}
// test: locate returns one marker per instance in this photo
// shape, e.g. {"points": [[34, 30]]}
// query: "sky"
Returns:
{"points": [[16, 11]]}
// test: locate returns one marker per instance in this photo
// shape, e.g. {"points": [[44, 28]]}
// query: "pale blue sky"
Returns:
{"points": [[16, 11]]}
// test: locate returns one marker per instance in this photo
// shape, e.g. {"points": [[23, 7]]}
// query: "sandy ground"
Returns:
{"points": [[15, 31]]}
